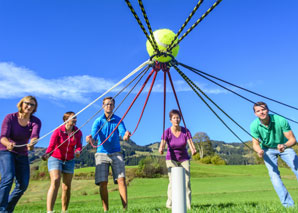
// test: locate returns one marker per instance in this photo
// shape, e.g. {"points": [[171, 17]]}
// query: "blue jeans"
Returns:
{"points": [[12, 167], [290, 158]]}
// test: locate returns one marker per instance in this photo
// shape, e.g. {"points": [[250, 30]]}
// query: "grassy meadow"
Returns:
{"points": [[214, 189]]}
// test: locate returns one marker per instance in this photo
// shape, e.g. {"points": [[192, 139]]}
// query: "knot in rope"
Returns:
{"points": [[157, 66]]}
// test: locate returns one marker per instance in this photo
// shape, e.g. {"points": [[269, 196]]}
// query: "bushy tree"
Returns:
{"points": [[206, 160], [203, 144], [217, 160]]}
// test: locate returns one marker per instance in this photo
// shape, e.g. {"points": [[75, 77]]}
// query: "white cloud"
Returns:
{"points": [[19, 81]]}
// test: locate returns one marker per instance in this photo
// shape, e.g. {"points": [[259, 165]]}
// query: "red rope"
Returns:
{"points": [[153, 80], [164, 100], [170, 78], [146, 81]]}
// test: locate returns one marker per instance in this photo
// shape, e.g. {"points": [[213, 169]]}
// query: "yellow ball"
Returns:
{"points": [[163, 38]]}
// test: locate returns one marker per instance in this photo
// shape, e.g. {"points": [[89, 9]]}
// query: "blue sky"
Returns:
{"points": [[67, 53]]}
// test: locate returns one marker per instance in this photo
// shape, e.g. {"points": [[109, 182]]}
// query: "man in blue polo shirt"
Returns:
{"points": [[108, 153], [273, 137]]}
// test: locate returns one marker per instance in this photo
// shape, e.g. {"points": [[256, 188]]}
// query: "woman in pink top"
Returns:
{"points": [[177, 137], [65, 143]]}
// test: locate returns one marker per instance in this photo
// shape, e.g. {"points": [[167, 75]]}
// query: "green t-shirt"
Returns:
{"points": [[272, 135]]}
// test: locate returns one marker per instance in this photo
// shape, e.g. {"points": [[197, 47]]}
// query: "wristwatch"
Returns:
{"points": [[285, 146]]}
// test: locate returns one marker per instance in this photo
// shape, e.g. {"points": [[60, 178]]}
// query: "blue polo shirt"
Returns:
{"points": [[272, 135], [106, 128]]}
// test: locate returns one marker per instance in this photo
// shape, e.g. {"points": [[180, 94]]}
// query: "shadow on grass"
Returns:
{"points": [[223, 205]]}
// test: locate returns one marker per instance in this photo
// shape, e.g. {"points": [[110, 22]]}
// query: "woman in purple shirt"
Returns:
{"points": [[177, 137], [16, 131]]}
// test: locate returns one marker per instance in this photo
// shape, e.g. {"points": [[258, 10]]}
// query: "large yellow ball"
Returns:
{"points": [[163, 38]]}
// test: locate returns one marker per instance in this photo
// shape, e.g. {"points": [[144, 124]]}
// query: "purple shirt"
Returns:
{"points": [[177, 145], [14, 132]]}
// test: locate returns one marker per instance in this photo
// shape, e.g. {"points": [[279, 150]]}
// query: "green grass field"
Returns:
{"points": [[214, 189]]}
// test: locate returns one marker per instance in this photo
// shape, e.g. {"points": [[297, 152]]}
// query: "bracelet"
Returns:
{"points": [[285, 146]]}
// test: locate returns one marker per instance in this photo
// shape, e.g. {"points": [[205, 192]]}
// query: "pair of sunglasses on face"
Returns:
{"points": [[29, 104]]}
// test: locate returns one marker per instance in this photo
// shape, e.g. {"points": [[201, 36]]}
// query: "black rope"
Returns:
{"points": [[188, 67], [241, 96], [142, 26], [148, 24], [195, 24], [194, 87], [215, 103], [184, 24]]}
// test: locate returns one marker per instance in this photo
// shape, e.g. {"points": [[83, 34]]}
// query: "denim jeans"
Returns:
{"points": [[12, 167], [290, 158]]}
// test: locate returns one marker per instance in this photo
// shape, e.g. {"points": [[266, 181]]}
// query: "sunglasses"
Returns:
{"points": [[29, 104]]}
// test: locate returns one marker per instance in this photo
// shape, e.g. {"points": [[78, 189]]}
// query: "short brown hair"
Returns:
{"points": [[108, 98], [174, 112], [260, 103], [24, 99], [67, 115]]}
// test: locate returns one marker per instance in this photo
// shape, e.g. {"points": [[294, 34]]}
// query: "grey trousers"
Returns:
{"points": [[185, 165]]}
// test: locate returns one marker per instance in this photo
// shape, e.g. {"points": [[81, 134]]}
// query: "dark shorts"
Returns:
{"points": [[103, 161]]}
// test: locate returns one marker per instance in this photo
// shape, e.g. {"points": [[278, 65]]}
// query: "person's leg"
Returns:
{"points": [[118, 170], [55, 168], [22, 175], [103, 189], [270, 159], [101, 178], [289, 156], [170, 164], [66, 188], [55, 176], [122, 191], [67, 174], [7, 172], [186, 166]]}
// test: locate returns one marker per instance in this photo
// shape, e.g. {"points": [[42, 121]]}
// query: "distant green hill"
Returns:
{"points": [[232, 153]]}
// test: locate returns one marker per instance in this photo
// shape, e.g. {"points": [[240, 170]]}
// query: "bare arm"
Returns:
{"points": [[30, 146], [126, 136], [256, 146], [192, 146], [162, 146], [291, 141], [9, 145]]}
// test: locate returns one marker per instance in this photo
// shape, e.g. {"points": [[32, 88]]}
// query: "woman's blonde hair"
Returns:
{"points": [[27, 98]]}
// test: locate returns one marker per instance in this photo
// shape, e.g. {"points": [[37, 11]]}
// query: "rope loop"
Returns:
{"points": [[157, 66], [164, 54]]}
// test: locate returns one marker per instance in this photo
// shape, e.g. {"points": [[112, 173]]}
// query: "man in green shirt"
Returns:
{"points": [[273, 137]]}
